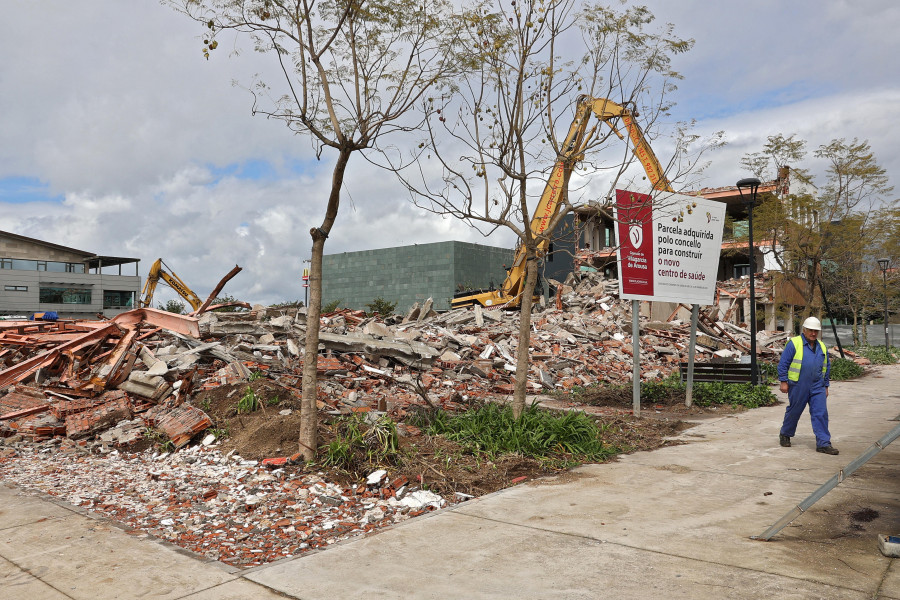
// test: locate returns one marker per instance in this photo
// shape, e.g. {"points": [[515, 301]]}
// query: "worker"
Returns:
{"points": [[803, 371]]}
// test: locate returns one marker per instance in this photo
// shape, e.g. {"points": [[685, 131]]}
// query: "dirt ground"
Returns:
{"points": [[432, 461]]}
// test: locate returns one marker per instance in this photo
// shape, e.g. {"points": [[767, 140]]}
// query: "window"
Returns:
{"points": [[15, 288], [609, 236], [741, 270], [58, 295], [24, 265], [41, 265], [117, 299]]}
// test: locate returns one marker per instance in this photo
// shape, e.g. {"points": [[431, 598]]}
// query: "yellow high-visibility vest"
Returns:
{"points": [[794, 368]]}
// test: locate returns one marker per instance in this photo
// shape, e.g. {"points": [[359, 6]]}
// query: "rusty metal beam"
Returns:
{"points": [[25, 412], [217, 289], [182, 324], [109, 370], [21, 370]]}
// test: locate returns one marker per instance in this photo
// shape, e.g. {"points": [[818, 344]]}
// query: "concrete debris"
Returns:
{"points": [[365, 363], [76, 390], [222, 507]]}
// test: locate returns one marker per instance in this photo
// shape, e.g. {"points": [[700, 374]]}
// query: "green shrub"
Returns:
{"points": [[288, 304], [878, 355], [219, 432], [842, 368], [338, 454], [173, 306], [767, 371], [735, 394], [660, 389], [332, 306], [380, 306], [559, 438], [707, 394]]}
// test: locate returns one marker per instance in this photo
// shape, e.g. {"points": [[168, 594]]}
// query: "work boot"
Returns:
{"points": [[827, 450], [784, 440]]}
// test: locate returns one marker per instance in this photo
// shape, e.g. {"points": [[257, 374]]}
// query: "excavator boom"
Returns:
{"points": [[153, 277], [510, 293]]}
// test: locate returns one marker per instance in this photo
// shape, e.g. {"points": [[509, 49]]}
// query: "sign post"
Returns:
{"points": [[668, 252]]}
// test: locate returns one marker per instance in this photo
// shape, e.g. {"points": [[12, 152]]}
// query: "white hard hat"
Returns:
{"points": [[812, 323]]}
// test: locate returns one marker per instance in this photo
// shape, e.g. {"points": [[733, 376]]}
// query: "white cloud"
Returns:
{"points": [[112, 106]]}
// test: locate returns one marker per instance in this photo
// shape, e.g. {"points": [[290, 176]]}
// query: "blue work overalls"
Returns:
{"points": [[808, 389]]}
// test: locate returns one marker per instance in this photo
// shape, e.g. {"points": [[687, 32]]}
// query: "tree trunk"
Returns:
{"points": [[522, 352], [309, 414], [855, 329]]}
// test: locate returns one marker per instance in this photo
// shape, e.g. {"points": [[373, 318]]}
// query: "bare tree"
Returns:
{"points": [[353, 74], [495, 145]]}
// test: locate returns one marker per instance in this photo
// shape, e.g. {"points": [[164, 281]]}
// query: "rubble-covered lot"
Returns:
{"points": [[186, 428], [221, 506]]}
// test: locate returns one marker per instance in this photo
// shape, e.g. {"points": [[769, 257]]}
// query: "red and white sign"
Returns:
{"points": [[668, 248]]}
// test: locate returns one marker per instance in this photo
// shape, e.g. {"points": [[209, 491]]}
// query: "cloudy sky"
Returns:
{"points": [[118, 137]]}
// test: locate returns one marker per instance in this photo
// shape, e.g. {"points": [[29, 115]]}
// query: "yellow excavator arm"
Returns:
{"points": [[156, 273], [510, 293]]}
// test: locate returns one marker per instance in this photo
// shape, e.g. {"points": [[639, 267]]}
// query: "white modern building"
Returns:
{"points": [[38, 276]]}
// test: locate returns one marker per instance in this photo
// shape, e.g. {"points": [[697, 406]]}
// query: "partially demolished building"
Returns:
{"points": [[779, 298]]}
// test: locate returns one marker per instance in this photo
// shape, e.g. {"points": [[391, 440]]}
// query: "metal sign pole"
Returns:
{"points": [[689, 392], [636, 357]]}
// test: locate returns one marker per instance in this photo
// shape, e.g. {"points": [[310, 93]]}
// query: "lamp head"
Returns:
{"points": [[883, 263], [748, 182], [751, 184]]}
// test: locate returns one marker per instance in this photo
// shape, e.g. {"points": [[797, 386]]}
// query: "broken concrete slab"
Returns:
{"points": [[411, 353]]}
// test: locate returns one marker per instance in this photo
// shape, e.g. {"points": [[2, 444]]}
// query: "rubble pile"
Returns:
{"points": [[81, 391], [240, 512], [79, 379]]}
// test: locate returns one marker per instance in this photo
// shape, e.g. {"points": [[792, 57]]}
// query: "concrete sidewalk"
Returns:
{"points": [[675, 522]]}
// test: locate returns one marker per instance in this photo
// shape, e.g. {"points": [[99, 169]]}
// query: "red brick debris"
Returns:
{"points": [[220, 506], [73, 395]]}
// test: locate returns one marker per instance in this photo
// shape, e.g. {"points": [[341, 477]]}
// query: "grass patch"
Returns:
{"points": [[735, 394], [359, 443], [672, 390], [708, 394], [560, 439], [248, 402]]}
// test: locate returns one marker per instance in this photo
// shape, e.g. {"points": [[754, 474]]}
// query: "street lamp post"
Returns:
{"points": [[751, 184], [883, 263], [305, 280]]}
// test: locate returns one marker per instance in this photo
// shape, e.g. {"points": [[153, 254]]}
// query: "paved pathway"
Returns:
{"points": [[672, 523]]}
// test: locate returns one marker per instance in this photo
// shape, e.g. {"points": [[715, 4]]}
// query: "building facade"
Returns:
{"points": [[38, 277], [410, 274]]}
